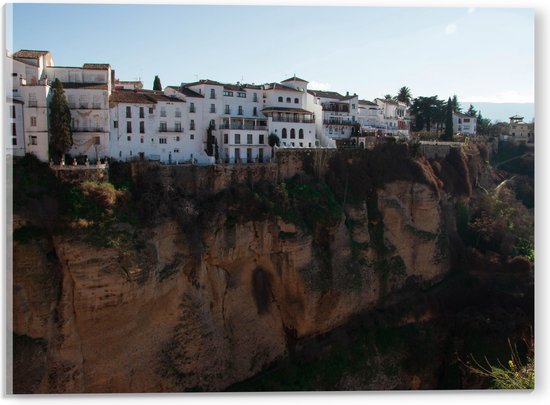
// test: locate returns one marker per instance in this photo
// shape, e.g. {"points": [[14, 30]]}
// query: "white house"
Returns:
{"points": [[371, 117], [395, 116], [287, 117], [335, 114], [15, 142], [464, 124]]}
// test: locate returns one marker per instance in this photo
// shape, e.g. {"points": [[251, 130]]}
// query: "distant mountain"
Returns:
{"points": [[502, 111]]}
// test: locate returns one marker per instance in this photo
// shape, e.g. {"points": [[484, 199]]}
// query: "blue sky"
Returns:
{"points": [[483, 54]]}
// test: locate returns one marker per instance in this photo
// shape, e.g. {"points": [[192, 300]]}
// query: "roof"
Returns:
{"points": [[277, 86], [233, 87], [295, 79], [204, 81], [388, 101], [186, 91], [367, 102], [287, 109], [129, 96], [516, 117], [157, 95], [88, 86], [29, 54], [461, 115], [325, 94], [96, 66]]}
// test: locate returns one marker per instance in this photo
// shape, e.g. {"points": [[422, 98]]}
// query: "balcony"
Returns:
{"points": [[241, 126], [164, 129], [293, 119], [338, 122], [89, 129]]}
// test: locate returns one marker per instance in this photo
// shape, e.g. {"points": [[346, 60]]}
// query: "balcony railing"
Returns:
{"points": [[163, 129], [241, 126], [89, 129], [292, 119], [339, 122]]}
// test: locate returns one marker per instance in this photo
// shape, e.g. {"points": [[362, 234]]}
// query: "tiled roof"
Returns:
{"points": [[286, 109], [516, 117], [325, 94], [277, 86], [295, 79], [96, 66], [186, 92], [252, 86], [387, 101], [129, 96], [29, 54], [157, 95], [88, 86], [204, 81], [233, 87], [366, 102]]}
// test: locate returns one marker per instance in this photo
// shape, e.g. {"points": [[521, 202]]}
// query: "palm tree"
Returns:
{"points": [[404, 95], [388, 97]]}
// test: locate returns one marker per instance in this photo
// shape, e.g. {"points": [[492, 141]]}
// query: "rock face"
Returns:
{"points": [[165, 313]]}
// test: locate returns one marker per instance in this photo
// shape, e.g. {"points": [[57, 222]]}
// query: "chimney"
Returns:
{"points": [[347, 93]]}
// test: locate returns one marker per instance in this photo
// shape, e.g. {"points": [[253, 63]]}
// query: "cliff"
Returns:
{"points": [[226, 269]]}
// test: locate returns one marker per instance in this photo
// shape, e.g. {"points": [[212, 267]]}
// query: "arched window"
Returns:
{"points": [[288, 100], [280, 99], [296, 101], [301, 134], [292, 134], [284, 133]]}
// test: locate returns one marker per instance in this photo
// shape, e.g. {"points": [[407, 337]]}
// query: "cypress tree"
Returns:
{"points": [[449, 122], [156, 84], [209, 141], [61, 134]]}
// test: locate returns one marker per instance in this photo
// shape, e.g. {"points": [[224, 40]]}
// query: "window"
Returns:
{"points": [[192, 125], [13, 111], [33, 140], [225, 139], [163, 111], [227, 110], [177, 127], [128, 138], [228, 93], [237, 139], [466, 119], [212, 124], [296, 101], [301, 145], [141, 112], [150, 110], [212, 108], [177, 138], [162, 140], [115, 124], [128, 112], [241, 94], [255, 111], [33, 121], [163, 127], [176, 151], [13, 129], [280, 99], [212, 93], [284, 133], [255, 97], [14, 141], [178, 113], [192, 107], [192, 136], [301, 134], [288, 100], [97, 140], [141, 140], [129, 127], [353, 107], [249, 139], [142, 127], [261, 139], [292, 134], [240, 110]]}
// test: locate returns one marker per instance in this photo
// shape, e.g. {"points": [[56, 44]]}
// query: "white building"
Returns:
{"points": [[521, 132], [15, 142], [464, 124], [371, 117], [395, 116], [287, 117], [335, 114]]}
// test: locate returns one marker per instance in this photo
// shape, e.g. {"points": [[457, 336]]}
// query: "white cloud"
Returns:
{"points": [[471, 10], [318, 86], [450, 29], [506, 96]]}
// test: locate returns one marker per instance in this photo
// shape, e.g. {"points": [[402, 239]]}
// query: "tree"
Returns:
{"points": [[156, 84], [209, 141], [456, 104], [483, 125], [404, 95], [273, 140], [427, 111], [448, 136], [388, 97], [61, 134], [471, 111]]}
